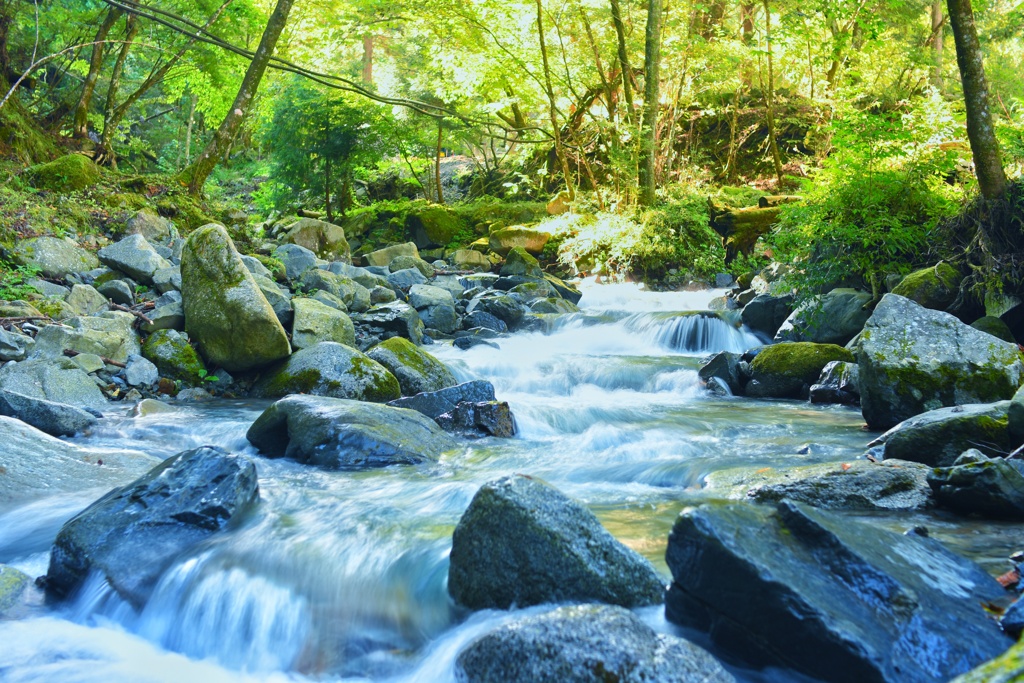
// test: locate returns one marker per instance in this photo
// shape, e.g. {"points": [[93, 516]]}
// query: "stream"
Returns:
{"points": [[341, 576]]}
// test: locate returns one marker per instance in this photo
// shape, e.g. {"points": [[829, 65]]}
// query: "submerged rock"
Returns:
{"points": [[13, 586], [788, 370], [938, 437], [585, 644], [56, 419], [835, 599], [330, 369], [913, 359], [132, 534], [346, 435], [521, 542], [416, 370]]}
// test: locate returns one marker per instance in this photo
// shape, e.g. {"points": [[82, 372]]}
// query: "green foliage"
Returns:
{"points": [[14, 281]]}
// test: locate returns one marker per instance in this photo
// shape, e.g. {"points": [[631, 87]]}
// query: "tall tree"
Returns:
{"points": [[624, 67], [80, 126], [769, 98], [937, 23], [649, 129], [556, 129], [988, 162], [196, 173]]}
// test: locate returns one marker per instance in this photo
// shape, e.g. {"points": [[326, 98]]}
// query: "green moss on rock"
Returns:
{"points": [[417, 371], [330, 369], [68, 173], [174, 357], [934, 287], [788, 369], [433, 226], [1007, 668]]}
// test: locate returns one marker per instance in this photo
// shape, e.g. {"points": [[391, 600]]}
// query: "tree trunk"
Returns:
{"points": [[769, 103], [327, 189], [552, 108], [937, 23], [741, 228], [196, 174], [652, 66], [80, 126], [106, 151], [437, 163], [988, 162], [368, 59], [624, 67]]}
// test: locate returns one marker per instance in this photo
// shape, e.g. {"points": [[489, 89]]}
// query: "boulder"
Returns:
{"points": [[434, 404], [167, 280], [168, 317], [1006, 668], [405, 262], [992, 488], [1015, 418], [501, 306], [833, 318], [382, 257], [111, 335], [552, 306], [503, 240], [279, 298], [134, 257], [528, 292], [134, 533], [295, 259], [152, 227], [174, 357], [564, 289], [14, 346], [225, 311], [520, 262], [416, 370], [54, 257], [833, 598], [585, 644], [724, 367], [936, 287], [425, 296], [140, 372], [996, 327], [314, 323], [856, 485], [68, 173], [393, 319], [330, 369], [324, 239], [86, 300], [118, 291], [788, 370], [913, 359], [484, 418], [766, 312], [13, 586], [340, 434], [56, 419], [354, 295], [406, 279], [469, 259], [481, 318], [433, 226], [443, 319], [382, 295], [938, 437], [521, 542], [58, 380], [837, 384]]}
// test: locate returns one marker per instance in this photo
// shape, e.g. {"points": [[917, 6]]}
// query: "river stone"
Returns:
{"points": [[394, 319], [133, 534], [134, 257], [520, 262], [788, 370], [1015, 417], [478, 419], [118, 291], [444, 319], [86, 300], [481, 318], [405, 279], [856, 485], [937, 437], [503, 240], [416, 370], [564, 289], [111, 335], [501, 306], [167, 280], [992, 488], [57, 379], [340, 434], [314, 323], [1006, 668], [324, 239], [330, 369], [225, 312], [522, 542], [425, 296], [174, 357], [1012, 620], [405, 262], [140, 372], [382, 257], [913, 359], [834, 318], [837, 384], [296, 259], [585, 644], [724, 366], [469, 259], [553, 306], [13, 585], [14, 346], [434, 404], [54, 257], [169, 317], [56, 419], [766, 313], [833, 598], [151, 226], [936, 287], [355, 296]]}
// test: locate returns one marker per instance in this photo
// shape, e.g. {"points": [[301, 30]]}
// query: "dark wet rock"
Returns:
{"points": [[991, 488], [394, 319], [346, 435], [1006, 668], [913, 359], [766, 313], [484, 319], [994, 326], [1015, 418], [502, 306], [833, 318], [837, 384], [468, 342], [434, 404], [135, 257], [564, 289], [856, 485], [56, 419], [522, 542], [58, 380], [553, 306], [788, 370], [937, 437], [724, 366], [585, 644], [444, 319], [1012, 620], [405, 279], [484, 418], [832, 598], [329, 369], [134, 533], [520, 262], [416, 370]]}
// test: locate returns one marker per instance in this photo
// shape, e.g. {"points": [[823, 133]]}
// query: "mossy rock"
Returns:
{"points": [[938, 437], [787, 370], [417, 371], [433, 226], [276, 268], [996, 327], [68, 173], [13, 585], [330, 369], [936, 287], [1007, 668], [520, 262], [174, 357]]}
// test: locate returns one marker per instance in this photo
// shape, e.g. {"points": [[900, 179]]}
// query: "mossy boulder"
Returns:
{"points": [[504, 240], [382, 257], [833, 318], [433, 226], [994, 326], [788, 370], [275, 267], [937, 437], [935, 287], [913, 359], [324, 239], [53, 256], [333, 370], [225, 311], [13, 585], [110, 334], [417, 371], [68, 173], [315, 322], [174, 357], [520, 262]]}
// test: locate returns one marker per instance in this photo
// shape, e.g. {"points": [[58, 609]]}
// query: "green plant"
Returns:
{"points": [[205, 375], [14, 281]]}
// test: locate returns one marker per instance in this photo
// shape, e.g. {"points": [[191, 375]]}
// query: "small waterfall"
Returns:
{"points": [[695, 332]]}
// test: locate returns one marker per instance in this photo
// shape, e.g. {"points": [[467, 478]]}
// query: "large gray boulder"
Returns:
{"points": [[382, 257], [133, 534], [58, 380], [110, 335], [585, 644], [833, 318], [340, 434], [938, 437], [296, 259], [314, 323], [330, 369], [56, 419], [521, 542], [151, 226], [324, 239], [913, 359], [416, 370], [135, 257], [355, 296], [835, 599], [766, 313], [225, 311], [54, 257]]}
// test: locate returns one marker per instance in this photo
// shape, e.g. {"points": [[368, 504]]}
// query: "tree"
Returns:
{"points": [[988, 161], [195, 175], [80, 126], [649, 129]]}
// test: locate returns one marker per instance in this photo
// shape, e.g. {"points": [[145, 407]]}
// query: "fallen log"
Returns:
{"points": [[741, 228], [778, 200]]}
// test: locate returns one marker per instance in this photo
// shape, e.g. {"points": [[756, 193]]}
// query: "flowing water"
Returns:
{"points": [[342, 576]]}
